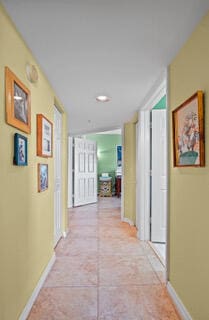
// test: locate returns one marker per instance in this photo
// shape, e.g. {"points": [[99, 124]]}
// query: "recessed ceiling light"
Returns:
{"points": [[102, 98]]}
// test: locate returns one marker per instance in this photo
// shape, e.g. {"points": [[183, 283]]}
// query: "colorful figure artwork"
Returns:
{"points": [[188, 132]]}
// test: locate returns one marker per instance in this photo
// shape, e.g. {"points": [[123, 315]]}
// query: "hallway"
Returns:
{"points": [[103, 272]]}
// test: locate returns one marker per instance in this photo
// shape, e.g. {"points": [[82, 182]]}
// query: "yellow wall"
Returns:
{"points": [[26, 216], [129, 177], [189, 187]]}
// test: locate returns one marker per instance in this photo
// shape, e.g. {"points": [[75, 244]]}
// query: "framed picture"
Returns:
{"points": [[42, 177], [119, 156], [44, 136], [20, 150], [18, 108], [188, 132]]}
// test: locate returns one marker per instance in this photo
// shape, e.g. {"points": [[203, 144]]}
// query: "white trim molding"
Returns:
{"points": [[156, 93], [64, 234], [128, 221], [143, 176], [70, 172], [143, 157], [178, 303], [37, 289]]}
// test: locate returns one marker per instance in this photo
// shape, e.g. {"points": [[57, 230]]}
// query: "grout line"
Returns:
{"points": [[70, 286], [106, 286]]}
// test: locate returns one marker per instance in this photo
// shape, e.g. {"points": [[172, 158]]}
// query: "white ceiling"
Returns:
{"points": [[114, 47]]}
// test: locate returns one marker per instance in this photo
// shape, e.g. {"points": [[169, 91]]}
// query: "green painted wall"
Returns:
{"points": [[161, 104], [189, 187], [26, 216], [106, 152]]}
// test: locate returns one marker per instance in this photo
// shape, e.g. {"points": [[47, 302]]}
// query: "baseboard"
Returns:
{"points": [[157, 253], [178, 303], [35, 293], [128, 221]]}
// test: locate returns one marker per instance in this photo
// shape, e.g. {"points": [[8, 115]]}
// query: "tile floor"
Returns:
{"points": [[103, 272]]}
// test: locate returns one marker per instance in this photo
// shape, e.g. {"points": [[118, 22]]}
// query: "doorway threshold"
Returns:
{"points": [[160, 251]]}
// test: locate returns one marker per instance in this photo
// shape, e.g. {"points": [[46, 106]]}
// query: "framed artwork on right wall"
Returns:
{"points": [[188, 132]]}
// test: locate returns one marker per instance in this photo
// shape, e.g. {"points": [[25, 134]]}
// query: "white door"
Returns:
{"points": [[159, 176], [85, 171], [57, 176]]}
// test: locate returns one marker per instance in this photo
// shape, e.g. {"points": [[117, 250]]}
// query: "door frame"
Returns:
{"points": [[143, 175], [70, 172], [62, 233], [158, 177]]}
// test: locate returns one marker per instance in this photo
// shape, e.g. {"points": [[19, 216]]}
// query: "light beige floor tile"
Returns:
{"points": [[73, 271], [135, 303], [83, 232], [77, 246], [121, 245], [119, 303], [83, 222], [126, 270], [65, 304]]}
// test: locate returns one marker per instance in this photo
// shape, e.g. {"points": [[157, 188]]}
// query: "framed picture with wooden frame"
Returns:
{"points": [[188, 132], [44, 136], [18, 102], [43, 177]]}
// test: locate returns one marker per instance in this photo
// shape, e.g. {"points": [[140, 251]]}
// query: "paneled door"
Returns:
{"points": [[159, 177], [57, 176], [85, 171]]}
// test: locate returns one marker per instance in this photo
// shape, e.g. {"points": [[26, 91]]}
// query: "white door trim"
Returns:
{"points": [[159, 175], [143, 178], [70, 172], [143, 141], [58, 218]]}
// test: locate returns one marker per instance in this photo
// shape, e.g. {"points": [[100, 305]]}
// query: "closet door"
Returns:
{"points": [[85, 171]]}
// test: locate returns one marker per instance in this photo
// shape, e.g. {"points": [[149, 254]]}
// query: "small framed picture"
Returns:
{"points": [[18, 106], [188, 132], [42, 177], [44, 136], [119, 156], [20, 150]]}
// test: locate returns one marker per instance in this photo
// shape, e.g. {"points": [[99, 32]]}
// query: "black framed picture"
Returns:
{"points": [[119, 156], [20, 150]]}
